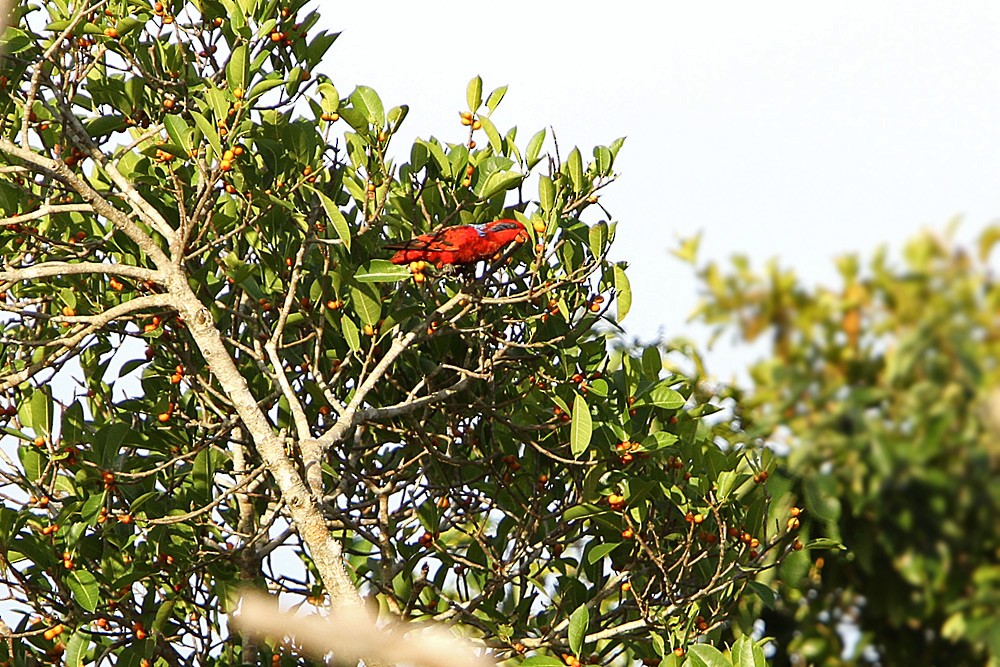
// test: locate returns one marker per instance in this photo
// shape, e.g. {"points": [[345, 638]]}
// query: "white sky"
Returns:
{"points": [[796, 129]]}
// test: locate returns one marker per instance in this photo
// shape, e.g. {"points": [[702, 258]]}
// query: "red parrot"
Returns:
{"points": [[462, 244]]}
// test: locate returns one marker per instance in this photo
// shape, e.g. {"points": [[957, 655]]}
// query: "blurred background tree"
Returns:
{"points": [[883, 396]]}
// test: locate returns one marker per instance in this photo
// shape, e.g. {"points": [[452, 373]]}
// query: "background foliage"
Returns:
{"points": [[885, 393]]}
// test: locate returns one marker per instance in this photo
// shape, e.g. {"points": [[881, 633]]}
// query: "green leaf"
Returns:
{"points": [[351, 333], [367, 304], [163, 613], [474, 94], [494, 99], [499, 181], [203, 471], [493, 135], [39, 412], [177, 130], [624, 290], [703, 655], [603, 159], [102, 125], [330, 98], [583, 511], [581, 427], [534, 148], [336, 218], [208, 130], [543, 661], [237, 68], [83, 586], [600, 551], [92, 508], [76, 649], [826, 543], [32, 462], [688, 250], [663, 396], [575, 164], [658, 440], [381, 271], [367, 101], [546, 193], [219, 102], [597, 238], [765, 593], [262, 87], [579, 621], [396, 116], [747, 653]]}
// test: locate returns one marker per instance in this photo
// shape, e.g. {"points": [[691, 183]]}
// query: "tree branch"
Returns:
{"points": [[58, 170], [53, 269]]}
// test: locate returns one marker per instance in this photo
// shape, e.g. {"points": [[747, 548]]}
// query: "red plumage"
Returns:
{"points": [[462, 244]]}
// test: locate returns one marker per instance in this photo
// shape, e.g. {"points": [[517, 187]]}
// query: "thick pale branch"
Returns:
{"points": [[326, 551], [53, 269]]}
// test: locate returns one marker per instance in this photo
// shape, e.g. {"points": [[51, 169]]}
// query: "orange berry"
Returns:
{"points": [[477, 124], [797, 545], [111, 33], [628, 534], [164, 417]]}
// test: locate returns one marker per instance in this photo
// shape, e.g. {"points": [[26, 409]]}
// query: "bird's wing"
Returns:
{"points": [[436, 242]]}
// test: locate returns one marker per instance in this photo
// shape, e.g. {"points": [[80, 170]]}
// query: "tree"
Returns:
{"points": [[884, 391], [193, 237]]}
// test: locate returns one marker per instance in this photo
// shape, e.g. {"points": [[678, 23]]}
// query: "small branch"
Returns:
{"points": [[48, 209], [349, 418], [180, 518], [58, 170]]}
